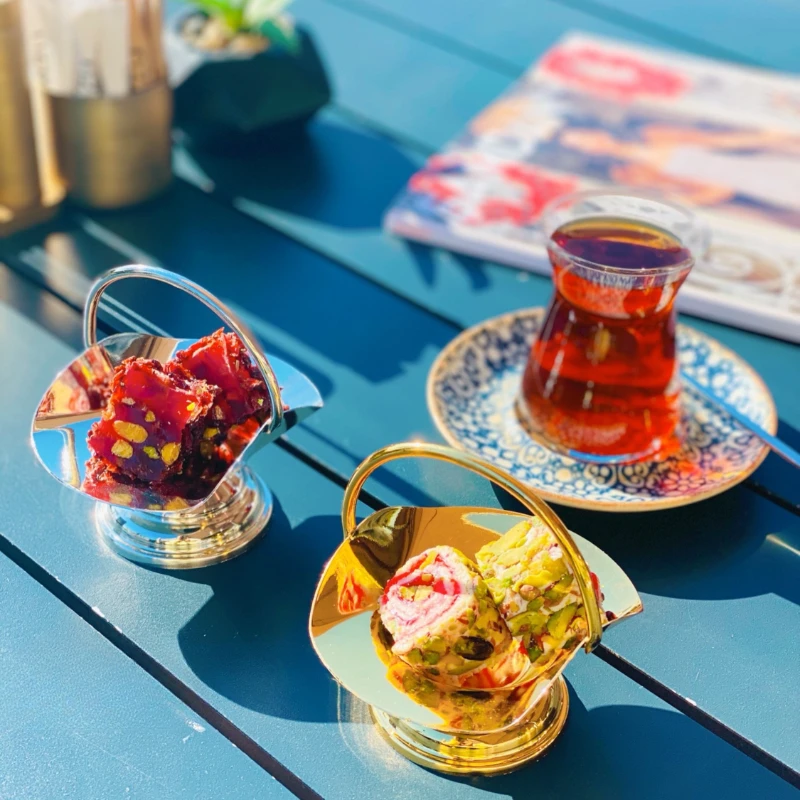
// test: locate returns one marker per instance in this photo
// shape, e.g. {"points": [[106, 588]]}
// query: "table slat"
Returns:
{"points": [[78, 719], [762, 32], [483, 31]]}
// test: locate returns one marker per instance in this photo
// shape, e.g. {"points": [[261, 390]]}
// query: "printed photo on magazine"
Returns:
{"points": [[592, 114]]}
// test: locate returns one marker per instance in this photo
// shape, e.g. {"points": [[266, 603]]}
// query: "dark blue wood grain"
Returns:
{"points": [[79, 720], [235, 635]]}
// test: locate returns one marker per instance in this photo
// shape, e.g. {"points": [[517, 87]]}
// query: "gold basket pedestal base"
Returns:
{"points": [[491, 754], [223, 527]]}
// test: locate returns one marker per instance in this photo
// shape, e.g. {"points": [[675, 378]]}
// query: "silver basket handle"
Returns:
{"points": [[199, 293]]}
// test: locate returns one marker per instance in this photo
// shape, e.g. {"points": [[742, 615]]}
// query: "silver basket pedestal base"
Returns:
{"points": [[221, 528]]}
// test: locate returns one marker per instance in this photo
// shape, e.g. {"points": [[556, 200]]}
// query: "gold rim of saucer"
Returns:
{"points": [[639, 506]]}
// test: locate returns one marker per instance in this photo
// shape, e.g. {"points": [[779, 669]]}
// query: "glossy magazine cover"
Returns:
{"points": [[722, 139]]}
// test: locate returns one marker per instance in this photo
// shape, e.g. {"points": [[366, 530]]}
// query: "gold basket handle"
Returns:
{"points": [[518, 490], [207, 299]]}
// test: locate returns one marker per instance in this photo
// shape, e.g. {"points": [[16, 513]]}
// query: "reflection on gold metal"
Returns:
{"points": [[19, 174], [487, 731], [488, 754]]}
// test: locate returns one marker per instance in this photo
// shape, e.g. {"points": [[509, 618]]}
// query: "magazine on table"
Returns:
{"points": [[591, 113]]}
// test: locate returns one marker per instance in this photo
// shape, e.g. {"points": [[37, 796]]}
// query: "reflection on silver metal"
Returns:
{"points": [[60, 428], [209, 529], [223, 527]]}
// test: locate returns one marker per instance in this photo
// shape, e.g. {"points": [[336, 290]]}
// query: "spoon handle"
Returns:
{"points": [[781, 448]]}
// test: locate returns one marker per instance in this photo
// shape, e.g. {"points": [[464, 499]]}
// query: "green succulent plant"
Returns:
{"points": [[264, 17]]}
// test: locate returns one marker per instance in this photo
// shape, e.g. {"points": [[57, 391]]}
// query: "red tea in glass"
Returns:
{"points": [[602, 381]]}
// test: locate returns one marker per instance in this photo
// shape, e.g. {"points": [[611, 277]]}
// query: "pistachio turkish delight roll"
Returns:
{"points": [[442, 621], [532, 583]]}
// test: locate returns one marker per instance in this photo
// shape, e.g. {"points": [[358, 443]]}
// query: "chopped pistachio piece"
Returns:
{"points": [[122, 449]]}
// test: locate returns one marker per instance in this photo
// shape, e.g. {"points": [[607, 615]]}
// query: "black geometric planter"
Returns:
{"points": [[229, 100]]}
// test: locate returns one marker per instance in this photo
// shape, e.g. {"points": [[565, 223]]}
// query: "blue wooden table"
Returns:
{"points": [[122, 681]]}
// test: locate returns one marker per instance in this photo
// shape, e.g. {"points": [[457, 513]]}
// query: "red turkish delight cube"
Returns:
{"points": [[100, 482], [152, 421], [222, 360], [103, 483]]}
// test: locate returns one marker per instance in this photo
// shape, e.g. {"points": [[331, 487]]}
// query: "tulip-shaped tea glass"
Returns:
{"points": [[602, 382], [485, 731], [144, 524]]}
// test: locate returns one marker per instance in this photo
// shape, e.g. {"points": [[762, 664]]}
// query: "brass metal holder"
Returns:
{"points": [[26, 196], [505, 727], [207, 530], [115, 152]]}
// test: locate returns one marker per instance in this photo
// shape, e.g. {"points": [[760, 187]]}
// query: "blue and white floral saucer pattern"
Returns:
{"points": [[473, 385]]}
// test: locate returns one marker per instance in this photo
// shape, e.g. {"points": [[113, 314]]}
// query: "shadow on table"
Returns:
{"points": [[329, 173], [250, 642], [778, 476], [632, 751], [384, 480], [424, 257], [290, 293], [606, 752], [730, 546]]}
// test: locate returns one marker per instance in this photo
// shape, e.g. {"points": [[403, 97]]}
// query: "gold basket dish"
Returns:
{"points": [[506, 727]]}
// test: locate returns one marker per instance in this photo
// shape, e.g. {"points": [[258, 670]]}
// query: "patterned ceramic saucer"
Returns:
{"points": [[473, 385]]}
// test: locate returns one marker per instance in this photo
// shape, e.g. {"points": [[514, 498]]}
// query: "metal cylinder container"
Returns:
{"points": [[22, 199], [115, 152]]}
